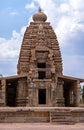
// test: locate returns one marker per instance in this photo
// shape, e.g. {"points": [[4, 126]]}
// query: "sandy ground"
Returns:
{"points": [[39, 126]]}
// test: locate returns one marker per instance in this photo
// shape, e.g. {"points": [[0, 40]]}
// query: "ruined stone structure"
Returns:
{"points": [[39, 80]]}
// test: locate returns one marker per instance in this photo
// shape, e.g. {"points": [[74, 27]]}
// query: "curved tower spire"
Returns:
{"points": [[40, 45]]}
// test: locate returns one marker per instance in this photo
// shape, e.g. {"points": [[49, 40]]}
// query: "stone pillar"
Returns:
{"points": [[59, 93], [21, 92], [3, 93], [49, 95], [30, 95], [53, 94], [30, 92], [77, 85]]}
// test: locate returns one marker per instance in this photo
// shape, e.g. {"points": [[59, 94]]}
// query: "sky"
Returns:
{"points": [[66, 18]]}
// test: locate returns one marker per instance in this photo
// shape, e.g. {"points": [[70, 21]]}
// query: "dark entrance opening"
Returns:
{"points": [[68, 94], [11, 94], [41, 74], [41, 65], [42, 96]]}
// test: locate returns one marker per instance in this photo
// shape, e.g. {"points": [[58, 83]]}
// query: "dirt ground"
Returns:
{"points": [[39, 126]]}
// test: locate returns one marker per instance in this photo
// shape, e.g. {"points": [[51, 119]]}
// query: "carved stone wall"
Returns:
{"points": [[39, 71], [40, 47], [22, 92], [3, 92], [39, 34]]}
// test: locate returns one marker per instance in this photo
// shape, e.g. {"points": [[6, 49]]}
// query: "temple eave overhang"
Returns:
{"points": [[14, 77], [63, 77], [70, 78]]}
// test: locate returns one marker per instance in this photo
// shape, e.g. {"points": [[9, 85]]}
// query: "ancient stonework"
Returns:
{"points": [[40, 81], [39, 45], [40, 59]]}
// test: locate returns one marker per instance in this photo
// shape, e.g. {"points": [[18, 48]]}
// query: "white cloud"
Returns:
{"points": [[9, 51], [64, 8], [73, 65], [13, 13], [77, 4], [9, 48], [30, 6]]}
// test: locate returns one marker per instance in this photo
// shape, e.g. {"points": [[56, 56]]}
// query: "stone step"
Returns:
{"points": [[37, 119], [63, 123], [61, 114], [61, 117], [58, 117]]}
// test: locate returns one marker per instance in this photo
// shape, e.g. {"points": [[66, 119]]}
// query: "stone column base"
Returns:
{"points": [[60, 102], [21, 102]]}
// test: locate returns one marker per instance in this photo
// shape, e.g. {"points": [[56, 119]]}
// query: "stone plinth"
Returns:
{"points": [[56, 115]]}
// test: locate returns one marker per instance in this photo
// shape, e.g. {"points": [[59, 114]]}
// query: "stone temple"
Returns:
{"points": [[40, 81]]}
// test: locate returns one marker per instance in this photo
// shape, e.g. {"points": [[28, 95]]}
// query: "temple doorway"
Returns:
{"points": [[11, 93], [69, 94], [42, 96]]}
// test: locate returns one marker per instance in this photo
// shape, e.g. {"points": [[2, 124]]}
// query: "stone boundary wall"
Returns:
{"points": [[54, 115]]}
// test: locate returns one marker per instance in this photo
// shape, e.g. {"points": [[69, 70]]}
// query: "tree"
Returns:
{"points": [[1, 75], [83, 94]]}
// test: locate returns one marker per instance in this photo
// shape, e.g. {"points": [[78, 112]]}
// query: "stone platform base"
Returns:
{"points": [[55, 115]]}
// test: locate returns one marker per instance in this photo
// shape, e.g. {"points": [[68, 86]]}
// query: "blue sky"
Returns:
{"points": [[67, 20]]}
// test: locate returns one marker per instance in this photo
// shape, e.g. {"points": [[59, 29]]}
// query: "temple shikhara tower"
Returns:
{"points": [[40, 59], [40, 81]]}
